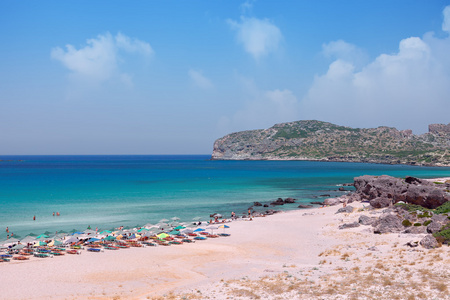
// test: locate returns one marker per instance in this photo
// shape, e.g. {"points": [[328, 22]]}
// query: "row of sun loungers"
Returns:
{"points": [[100, 246]]}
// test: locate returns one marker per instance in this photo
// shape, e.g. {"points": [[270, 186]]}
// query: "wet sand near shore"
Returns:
{"points": [[293, 255]]}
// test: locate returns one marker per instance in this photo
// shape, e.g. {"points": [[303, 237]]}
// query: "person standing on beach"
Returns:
{"points": [[7, 230]]}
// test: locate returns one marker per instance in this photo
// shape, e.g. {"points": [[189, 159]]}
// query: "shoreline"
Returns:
{"points": [[303, 244]]}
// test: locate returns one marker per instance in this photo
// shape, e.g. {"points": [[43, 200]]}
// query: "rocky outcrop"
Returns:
{"points": [[387, 224], [316, 140], [384, 190], [429, 242], [348, 209]]}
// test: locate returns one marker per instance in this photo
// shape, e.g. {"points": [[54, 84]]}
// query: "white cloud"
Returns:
{"points": [[344, 51], [133, 45], [262, 109], [199, 79], [97, 61], [258, 36], [446, 23], [247, 6], [408, 89]]}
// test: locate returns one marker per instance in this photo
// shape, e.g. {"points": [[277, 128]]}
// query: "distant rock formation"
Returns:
{"points": [[322, 141]]}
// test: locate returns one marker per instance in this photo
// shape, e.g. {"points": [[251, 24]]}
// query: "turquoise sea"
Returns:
{"points": [[110, 191]]}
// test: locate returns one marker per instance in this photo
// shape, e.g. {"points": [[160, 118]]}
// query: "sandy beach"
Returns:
{"points": [[293, 255]]}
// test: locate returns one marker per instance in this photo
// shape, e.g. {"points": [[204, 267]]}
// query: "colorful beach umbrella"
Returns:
{"points": [[109, 238], [42, 236], [105, 232], [224, 226], [40, 243], [174, 232], [179, 227], [143, 229], [162, 235], [199, 229]]}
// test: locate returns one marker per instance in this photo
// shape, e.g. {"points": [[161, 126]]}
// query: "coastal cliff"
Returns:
{"points": [[322, 141]]}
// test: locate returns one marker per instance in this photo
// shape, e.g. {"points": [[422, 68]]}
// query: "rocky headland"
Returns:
{"points": [[322, 141]]}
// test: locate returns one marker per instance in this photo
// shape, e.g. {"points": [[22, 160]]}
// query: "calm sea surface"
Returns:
{"points": [[110, 191]]}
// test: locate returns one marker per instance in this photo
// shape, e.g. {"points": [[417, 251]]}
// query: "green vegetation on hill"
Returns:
{"points": [[316, 140]]}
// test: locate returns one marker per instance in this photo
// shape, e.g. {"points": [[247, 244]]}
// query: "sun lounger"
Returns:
{"points": [[224, 234], [73, 251], [57, 253], [176, 242], [94, 249], [20, 257], [111, 248], [42, 255], [200, 238], [187, 241]]}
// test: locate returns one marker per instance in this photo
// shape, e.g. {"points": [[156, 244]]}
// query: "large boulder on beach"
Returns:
{"points": [[388, 223], [429, 242], [334, 201], [380, 202], [348, 209], [349, 225], [409, 190], [366, 220], [437, 222]]}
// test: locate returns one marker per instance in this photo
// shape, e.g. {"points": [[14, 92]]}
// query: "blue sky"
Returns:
{"points": [[170, 77]]}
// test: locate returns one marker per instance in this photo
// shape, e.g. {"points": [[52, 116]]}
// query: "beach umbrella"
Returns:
{"points": [[110, 238], [224, 226], [32, 234], [62, 231], [40, 243], [57, 242], [199, 229], [89, 231], [212, 228], [12, 240], [163, 221], [42, 236], [28, 239], [47, 232], [18, 247], [162, 235], [148, 225], [179, 227], [77, 233], [186, 231], [72, 239], [196, 218], [143, 229], [174, 232], [51, 244], [175, 219], [105, 232], [91, 240]]}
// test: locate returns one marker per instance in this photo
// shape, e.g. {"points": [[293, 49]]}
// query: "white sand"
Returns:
{"points": [[302, 246]]}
